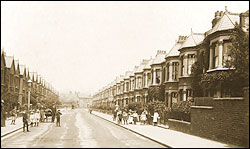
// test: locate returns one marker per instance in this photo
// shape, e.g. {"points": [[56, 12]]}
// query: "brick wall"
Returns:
{"points": [[179, 125], [226, 120]]}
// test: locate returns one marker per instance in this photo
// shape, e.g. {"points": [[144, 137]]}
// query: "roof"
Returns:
{"points": [[43, 82], [33, 74], [16, 63], [120, 78], [193, 39], [113, 83], [117, 79], [227, 21], [27, 72], [134, 70], [175, 50], [22, 69], [127, 74], [142, 65], [160, 57], [148, 65], [9, 61], [39, 78], [3, 57]]}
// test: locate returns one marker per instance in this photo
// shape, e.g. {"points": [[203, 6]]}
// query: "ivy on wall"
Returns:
{"points": [[233, 80]]}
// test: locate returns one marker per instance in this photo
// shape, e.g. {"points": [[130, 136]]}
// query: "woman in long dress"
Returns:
{"points": [[155, 118]]}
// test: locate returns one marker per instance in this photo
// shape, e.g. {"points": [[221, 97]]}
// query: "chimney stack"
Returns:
{"points": [[182, 39], [161, 52], [217, 16]]}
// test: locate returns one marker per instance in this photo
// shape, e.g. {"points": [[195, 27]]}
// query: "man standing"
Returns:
{"points": [[58, 115], [25, 121], [53, 113], [2, 114]]}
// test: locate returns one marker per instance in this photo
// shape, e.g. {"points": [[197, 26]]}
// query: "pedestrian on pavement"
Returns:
{"points": [[25, 121], [2, 114], [119, 114], [125, 117], [32, 119], [135, 117], [90, 110], [13, 116], [130, 117], [37, 117], [149, 118], [114, 115], [143, 117], [58, 118], [155, 118], [42, 114], [53, 113]]}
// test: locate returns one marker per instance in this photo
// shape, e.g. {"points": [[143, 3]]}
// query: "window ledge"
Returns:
{"points": [[229, 98], [173, 81], [218, 69], [202, 107]]}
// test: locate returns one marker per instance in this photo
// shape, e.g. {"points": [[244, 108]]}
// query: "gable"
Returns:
{"points": [[3, 64], [12, 68]]}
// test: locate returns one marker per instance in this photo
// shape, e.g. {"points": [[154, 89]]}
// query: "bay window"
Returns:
{"points": [[175, 70]]}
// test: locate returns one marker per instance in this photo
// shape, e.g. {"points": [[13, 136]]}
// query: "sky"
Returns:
{"points": [[83, 45]]}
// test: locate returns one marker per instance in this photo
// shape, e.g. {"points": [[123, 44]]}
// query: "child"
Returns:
{"points": [[32, 118], [120, 117], [135, 117], [37, 117], [58, 114], [125, 117], [143, 117], [13, 116], [155, 118]]}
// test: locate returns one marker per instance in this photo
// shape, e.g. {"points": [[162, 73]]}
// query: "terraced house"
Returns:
{"points": [[173, 70], [14, 86]]}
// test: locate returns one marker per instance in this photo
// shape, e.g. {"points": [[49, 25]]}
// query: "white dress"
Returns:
{"points": [[143, 117], [130, 119], [37, 116], [32, 118], [155, 118]]}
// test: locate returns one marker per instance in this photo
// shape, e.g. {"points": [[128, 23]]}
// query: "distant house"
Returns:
{"points": [[3, 78], [23, 86]]}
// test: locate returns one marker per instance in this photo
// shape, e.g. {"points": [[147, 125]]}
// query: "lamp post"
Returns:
{"points": [[29, 85]]}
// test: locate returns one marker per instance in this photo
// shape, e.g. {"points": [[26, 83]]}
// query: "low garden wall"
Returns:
{"points": [[178, 125], [226, 120]]}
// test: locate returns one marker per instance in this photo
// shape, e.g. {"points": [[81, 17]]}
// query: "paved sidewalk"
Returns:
{"points": [[171, 138], [10, 128], [19, 124]]}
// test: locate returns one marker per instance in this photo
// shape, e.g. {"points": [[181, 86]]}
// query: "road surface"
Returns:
{"points": [[79, 129]]}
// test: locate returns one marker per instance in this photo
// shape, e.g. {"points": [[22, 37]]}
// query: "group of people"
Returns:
{"points": [[133, 117], [36, 116]]}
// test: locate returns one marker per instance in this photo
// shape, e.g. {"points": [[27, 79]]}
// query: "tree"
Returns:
{"points": [[240, 55], [156, 93]]}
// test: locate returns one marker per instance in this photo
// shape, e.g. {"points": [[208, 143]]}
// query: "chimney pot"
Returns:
{"points": [[221, 13], [217, 14], [179, 38]]}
